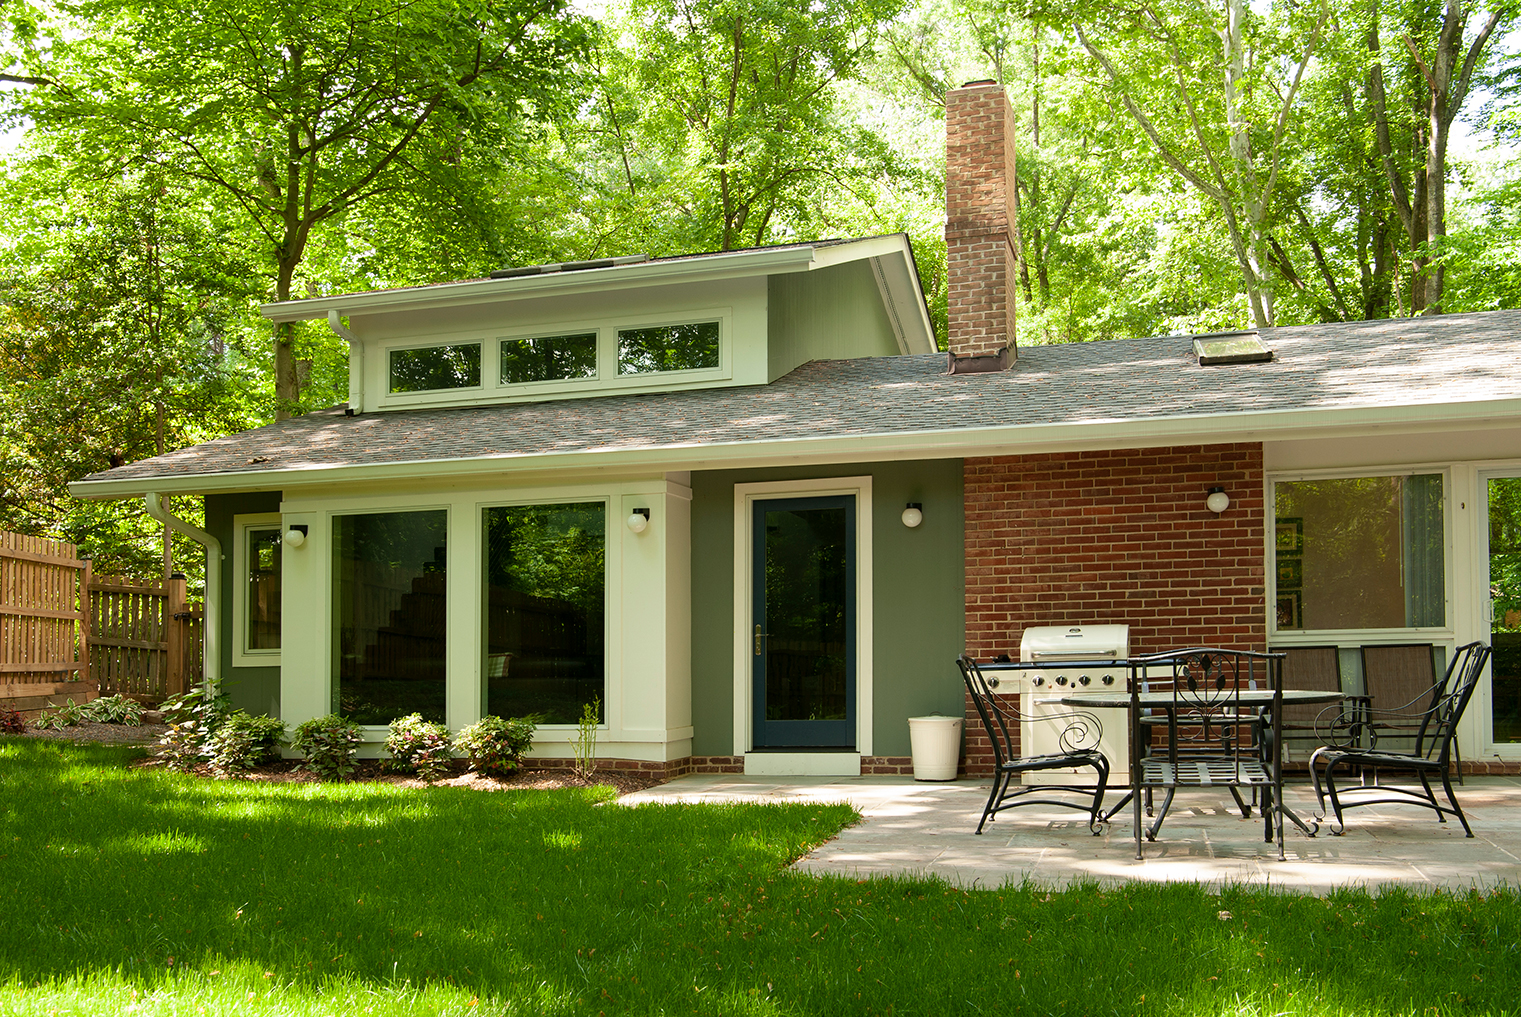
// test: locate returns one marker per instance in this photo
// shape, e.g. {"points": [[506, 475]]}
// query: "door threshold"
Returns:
{"points": [[792, 763]]}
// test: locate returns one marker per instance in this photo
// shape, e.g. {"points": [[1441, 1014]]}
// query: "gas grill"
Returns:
{"points": [[1072, 658]]}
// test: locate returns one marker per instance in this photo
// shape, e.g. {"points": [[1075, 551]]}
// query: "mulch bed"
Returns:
{"points": [[370, 771]]}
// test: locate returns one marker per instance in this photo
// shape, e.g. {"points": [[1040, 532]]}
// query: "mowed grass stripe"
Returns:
{"points": [[142, 889]]}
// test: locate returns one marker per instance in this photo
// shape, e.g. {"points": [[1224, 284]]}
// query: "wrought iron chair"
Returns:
{"points": [[1213, 740], [1398, 681], [1431, 754], [1079, 741]]}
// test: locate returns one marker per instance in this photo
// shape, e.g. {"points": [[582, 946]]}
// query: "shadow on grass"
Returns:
{"points": [[123, 880]]}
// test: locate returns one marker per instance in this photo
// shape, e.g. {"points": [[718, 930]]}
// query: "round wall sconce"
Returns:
{"points": [[1218, 501], [639, 520], [295, 536], [913, 515]]}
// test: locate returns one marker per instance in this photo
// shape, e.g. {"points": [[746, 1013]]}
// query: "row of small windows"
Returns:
{"points": [[570, 357]]}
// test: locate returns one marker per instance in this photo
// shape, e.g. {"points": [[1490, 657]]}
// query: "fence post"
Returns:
{"points": [[175, 610], [85, 674]]}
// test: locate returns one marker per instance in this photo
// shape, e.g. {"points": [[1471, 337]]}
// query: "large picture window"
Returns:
{"points": [[389, 615], [1360, 553], [545, 604]]}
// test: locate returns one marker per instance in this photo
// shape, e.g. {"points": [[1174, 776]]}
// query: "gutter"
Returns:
{"points": [[212, 612]]}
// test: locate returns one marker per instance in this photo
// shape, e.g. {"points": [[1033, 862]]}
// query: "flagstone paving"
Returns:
{"points": [[927, 829]]}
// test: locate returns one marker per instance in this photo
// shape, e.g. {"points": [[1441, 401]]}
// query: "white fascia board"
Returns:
{"points": [[1031, 439], [474, 291]]}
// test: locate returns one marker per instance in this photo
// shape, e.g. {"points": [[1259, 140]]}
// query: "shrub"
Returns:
{"points": [[243, 742], [192, 719], [496, 746], [11, 722], [419, 746], [330, 745], [583, 747], [117, 709]]}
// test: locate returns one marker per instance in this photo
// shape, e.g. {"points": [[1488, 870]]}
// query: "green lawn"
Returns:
{"points": [[144, 892]]}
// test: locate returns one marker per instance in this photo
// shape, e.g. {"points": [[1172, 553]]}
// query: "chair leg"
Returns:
{"points": [[1094, 817], [1151, 833], [1447, 786], [1431, 795], [1000, 780], [1320, 795], [1246, 810], [1341, 824]]}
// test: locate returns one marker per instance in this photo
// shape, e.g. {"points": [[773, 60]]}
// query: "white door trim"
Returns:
{"points": [[744, 496]]}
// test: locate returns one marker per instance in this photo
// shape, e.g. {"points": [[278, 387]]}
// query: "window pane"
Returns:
{"points": [[668, 348], [389, 610], [263, 618], [545, 603], [549, 358], [1360, 553], [437, 367]]}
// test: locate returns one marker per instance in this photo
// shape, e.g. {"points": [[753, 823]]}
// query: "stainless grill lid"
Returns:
{"points": [[1074, 642]]}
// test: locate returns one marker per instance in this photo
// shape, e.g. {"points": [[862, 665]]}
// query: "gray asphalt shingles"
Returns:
{"points": [[1414, 362]]}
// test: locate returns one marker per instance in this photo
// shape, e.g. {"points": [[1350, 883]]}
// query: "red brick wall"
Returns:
{"points": [[1114, 537], [980, 214]]}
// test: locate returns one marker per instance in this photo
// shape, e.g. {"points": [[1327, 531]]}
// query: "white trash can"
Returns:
{"points": [[936, 743]]}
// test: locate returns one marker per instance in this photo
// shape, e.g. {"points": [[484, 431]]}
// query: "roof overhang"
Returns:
{"points": [[893, 254], [1075, 436]]}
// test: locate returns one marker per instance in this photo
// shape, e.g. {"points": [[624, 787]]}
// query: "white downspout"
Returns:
{"points": [[212, 612], [356, 361]]}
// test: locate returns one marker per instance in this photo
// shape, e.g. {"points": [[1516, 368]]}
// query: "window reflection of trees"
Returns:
{"points": [[807, 579], [668, 348], [545, 608], [437, 367]]}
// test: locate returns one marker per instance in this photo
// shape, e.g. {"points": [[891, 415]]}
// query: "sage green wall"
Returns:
{"points": [[917, 596], [255, 689], [831, 313]]}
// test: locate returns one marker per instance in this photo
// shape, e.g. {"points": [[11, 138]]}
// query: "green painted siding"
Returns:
{"points": [[829, 314], [255, 689], [917, 594]]}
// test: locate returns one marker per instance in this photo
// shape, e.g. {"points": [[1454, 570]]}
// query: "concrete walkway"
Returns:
{"points": [[925, 829]]}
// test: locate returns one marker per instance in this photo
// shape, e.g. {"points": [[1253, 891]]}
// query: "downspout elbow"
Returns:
{"points": [[356, 361], [212, 636]]}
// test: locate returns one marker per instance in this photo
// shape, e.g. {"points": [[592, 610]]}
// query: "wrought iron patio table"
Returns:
{"points": [[1271, 779]]}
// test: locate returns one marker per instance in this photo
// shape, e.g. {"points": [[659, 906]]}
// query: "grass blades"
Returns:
{"points": [[147, 892]]}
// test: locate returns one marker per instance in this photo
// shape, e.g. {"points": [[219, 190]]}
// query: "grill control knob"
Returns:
{"points": [[1108, 679], [1084, 680], [1061, 679], [1038, 681]]}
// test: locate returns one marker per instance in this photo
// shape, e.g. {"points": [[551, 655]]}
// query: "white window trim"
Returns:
{"points": [[744, 496], [606, 381], [1483, 700], [1443, 634], [242, 656]]}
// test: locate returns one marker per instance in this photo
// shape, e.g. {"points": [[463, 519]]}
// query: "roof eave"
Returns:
{"points": [[1024, 439]]}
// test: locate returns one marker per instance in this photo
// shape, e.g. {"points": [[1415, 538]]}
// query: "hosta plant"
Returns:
{"points": [[191, 720], [117, 709]]}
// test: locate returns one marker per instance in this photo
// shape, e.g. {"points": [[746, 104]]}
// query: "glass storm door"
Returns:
{"points": [[803, 645], [1505, 607]]}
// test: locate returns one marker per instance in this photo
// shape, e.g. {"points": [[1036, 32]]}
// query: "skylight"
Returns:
{"points": [[1231, 348]]}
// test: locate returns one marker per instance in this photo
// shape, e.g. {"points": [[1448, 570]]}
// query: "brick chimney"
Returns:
{"points": [[981, 202]]}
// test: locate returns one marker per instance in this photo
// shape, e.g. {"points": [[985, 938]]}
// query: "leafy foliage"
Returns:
{"points": [[583, 747], [11, 722], [330, 745], [419, 746], [191, 720], [243, 742], [494, 745]]}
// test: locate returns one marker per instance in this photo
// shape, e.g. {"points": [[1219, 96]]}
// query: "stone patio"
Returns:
{"points": [[926, 829]]}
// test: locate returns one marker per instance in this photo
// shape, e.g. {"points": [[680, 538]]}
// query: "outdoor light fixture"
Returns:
{"points": [[295, 536], [913, 515], [1218, 501], [639, 520]]}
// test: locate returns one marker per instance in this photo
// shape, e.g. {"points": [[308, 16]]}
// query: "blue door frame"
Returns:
{"points": [[803, 618]]}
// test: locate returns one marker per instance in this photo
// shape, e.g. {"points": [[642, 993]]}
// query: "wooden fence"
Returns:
{"points": [[44, 624], [65, 634]]}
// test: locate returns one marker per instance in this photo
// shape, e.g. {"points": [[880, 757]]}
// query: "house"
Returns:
{"points": [[739, 503]]}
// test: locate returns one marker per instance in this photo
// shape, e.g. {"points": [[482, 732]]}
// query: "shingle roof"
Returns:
{"points": [[1404, 363]]}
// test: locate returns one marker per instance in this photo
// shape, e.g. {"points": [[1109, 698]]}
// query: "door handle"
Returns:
{"points": [[759, 635]]}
